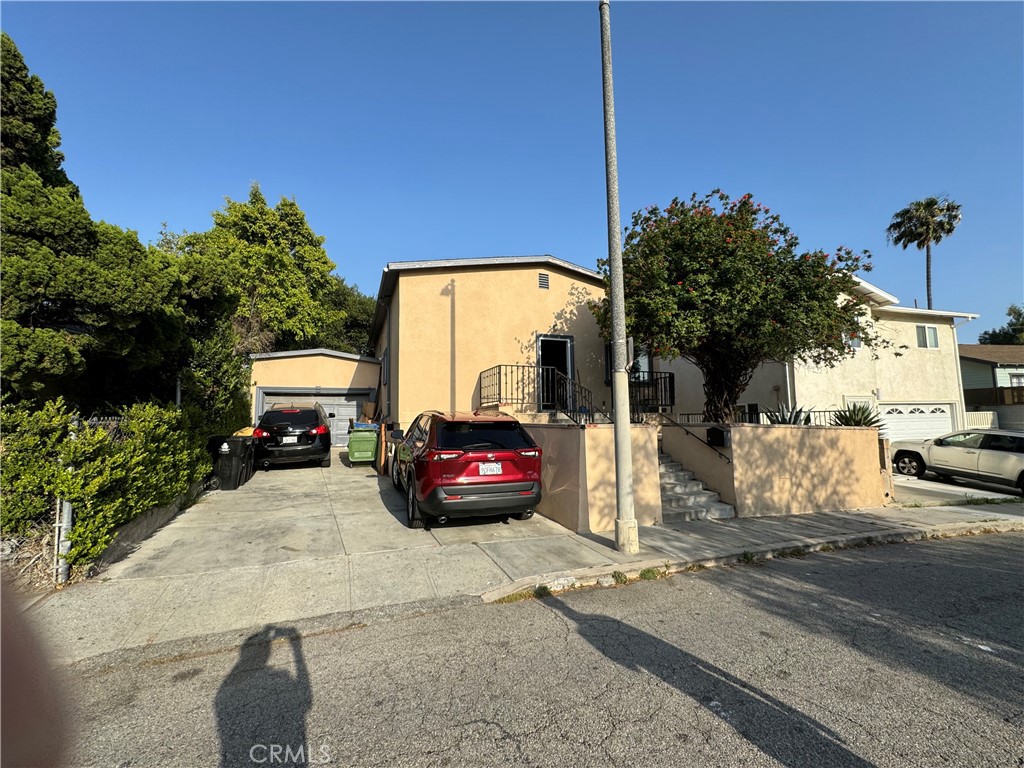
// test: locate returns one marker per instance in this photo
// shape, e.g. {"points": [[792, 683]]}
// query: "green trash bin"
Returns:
{"points": [[362, 443]]}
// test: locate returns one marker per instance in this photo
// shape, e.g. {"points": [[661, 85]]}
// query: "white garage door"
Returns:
{"points": [[912, 421], [343, 407]]}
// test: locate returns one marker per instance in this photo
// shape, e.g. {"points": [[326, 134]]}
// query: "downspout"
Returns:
{"points": [[961, 416], [790, 376]]}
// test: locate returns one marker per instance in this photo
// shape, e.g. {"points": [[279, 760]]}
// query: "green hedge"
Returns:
{"points": [[109, 479]]}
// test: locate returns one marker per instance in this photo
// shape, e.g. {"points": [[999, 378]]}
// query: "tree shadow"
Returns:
{"points": [[776, 729], [261, 710]]}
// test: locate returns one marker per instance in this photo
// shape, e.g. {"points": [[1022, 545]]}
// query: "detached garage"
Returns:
{"points": [[339, 381]]}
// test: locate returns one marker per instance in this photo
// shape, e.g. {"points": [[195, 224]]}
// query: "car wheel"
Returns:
{"points": [[909, 464], [412, 507], [523, 515], [395, 480], [1020, 484]]}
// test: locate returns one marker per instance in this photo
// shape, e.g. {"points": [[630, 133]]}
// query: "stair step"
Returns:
{"points": [[693, 499], [670, 466], [678, 476], [714, 511], [680, 486]]}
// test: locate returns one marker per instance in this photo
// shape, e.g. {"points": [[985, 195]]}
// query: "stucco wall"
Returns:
{"points": [[784, 470], [578, 475], [457, 323], [314, 370]]}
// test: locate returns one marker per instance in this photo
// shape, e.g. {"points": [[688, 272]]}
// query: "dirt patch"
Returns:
{"points": [[26, 563]]}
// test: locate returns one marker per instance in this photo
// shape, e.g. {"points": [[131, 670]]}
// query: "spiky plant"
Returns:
{"points": [[787, 415], [857, 415]]}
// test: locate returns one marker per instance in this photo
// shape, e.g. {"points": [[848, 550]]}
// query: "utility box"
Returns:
{"points": [[362, 442], [719, 437]]}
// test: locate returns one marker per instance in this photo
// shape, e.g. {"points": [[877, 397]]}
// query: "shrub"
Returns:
{"points": [[109, 479]]}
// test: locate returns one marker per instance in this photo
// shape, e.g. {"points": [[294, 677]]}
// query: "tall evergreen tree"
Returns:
{"points": [[87, 312]]}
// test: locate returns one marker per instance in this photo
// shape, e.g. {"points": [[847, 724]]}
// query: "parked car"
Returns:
{"points": [[289, 434], [990, 455], [455, 464]]}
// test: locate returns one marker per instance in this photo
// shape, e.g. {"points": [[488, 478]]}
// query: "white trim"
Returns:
{"points": [[311, 353]]}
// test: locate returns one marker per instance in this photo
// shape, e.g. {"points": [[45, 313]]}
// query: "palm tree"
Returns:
{"points": [[922, 223]]}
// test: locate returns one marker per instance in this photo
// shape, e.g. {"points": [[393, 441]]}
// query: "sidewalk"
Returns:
{"points": [[111, 614]]}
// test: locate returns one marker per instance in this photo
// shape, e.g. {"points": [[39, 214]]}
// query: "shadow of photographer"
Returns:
{"points": [[261, 710]]}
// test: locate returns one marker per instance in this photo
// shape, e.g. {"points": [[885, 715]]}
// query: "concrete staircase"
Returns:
{"points": [[685, 498]]}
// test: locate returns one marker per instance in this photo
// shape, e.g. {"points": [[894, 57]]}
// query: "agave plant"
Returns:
{"points": [[787, 415], [857, 415]]}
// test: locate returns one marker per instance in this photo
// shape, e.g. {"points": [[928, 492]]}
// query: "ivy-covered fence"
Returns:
{"points": [[52, 453]]}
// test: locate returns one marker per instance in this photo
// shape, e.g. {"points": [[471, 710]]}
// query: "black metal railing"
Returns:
{"points": [[811, 418], [537, 386], [649, 392], [672, 422]]}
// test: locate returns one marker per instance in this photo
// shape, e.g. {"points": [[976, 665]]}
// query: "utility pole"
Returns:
{"points": [[626, 539]]}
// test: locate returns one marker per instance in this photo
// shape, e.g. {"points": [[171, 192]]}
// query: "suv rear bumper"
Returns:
{"points": [[489, 499], [288, 454]]}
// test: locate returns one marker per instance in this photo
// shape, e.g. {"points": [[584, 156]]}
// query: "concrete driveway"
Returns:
{"points": [[295, 514]]}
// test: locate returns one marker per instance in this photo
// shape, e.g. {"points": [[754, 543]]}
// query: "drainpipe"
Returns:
{"points": [[961, 416]]}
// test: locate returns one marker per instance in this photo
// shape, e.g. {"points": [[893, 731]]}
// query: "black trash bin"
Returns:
{"points": [[233, 462]]}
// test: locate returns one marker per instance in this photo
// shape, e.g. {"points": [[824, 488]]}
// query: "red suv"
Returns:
{"points": [[454, 464]]}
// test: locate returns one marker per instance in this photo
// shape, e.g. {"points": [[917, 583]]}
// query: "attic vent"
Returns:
{"points": [[543, 280]]}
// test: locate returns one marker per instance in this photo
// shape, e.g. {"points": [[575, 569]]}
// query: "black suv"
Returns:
{"points": [[289, 434]]}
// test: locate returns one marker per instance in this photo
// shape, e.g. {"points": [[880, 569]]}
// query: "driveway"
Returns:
{"points": [[299, 542]]}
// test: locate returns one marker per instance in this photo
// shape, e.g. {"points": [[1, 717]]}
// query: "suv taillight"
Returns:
{"points": [[531, 453], [443, 455], [260, 433], [321, 430]]}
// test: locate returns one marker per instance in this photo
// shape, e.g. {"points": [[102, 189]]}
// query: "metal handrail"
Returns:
{"points": [[542, 386], [672, 421]]}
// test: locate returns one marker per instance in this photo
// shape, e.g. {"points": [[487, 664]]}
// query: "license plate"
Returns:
{"points": [[289, 440], [490, 468]]}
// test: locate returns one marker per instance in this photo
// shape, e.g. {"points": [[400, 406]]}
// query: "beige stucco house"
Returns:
{"points": [[915, 384], [463, 334]]}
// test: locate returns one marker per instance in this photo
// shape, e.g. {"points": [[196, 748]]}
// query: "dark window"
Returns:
{"points": [[298, 417], [483, 434]]}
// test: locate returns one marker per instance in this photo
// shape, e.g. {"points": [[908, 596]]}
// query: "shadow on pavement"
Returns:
{"points": [[779, 731], [977, 648], [261, 711]]}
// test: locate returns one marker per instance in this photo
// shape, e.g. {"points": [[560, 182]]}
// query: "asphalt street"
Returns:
{"points": [[898, 655]]}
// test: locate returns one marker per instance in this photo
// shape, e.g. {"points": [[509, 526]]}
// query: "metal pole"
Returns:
{"points": [[66, 519], [625, 522]]}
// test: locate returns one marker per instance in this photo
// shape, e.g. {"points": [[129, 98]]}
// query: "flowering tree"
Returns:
{"points": [[720, 283]]}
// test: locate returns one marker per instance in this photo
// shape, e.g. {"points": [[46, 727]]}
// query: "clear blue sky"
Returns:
{"points": [[449, 130]]}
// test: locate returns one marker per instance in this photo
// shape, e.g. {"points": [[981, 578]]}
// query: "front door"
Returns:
{"points": [[554, 356]]}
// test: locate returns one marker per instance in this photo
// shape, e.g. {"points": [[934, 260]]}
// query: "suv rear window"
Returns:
{"points": [[296, 416], [501, 434]]}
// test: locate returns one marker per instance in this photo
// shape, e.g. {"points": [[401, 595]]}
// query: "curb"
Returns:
{"points": [[601, 576]]}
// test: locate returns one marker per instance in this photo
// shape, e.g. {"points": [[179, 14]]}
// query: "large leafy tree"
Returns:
{"points": [[281, 271], [922, 224], [87, 312], [719, 282], [350, 315], [1011, 333]]}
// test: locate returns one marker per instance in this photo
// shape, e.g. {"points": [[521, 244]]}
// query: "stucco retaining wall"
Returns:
{"points": [[578, 475], [782, 470]]}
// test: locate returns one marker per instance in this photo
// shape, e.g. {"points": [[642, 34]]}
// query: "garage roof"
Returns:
{"points": [[311, 353]]}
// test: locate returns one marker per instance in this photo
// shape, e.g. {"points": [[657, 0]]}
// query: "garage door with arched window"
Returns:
{"points": [[915, 421]]}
